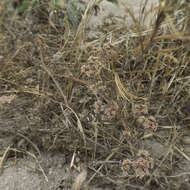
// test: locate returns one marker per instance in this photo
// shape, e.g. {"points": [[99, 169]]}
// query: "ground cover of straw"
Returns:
{"points": [[119, 104]]}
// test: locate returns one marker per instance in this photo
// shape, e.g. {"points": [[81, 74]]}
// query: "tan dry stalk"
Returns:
{"points": [[79, 179]]}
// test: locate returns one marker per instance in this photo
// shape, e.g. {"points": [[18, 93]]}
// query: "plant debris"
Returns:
{"points": [[61, 91]]}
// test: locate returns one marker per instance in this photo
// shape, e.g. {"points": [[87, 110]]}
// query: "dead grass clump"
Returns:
{"points": [[86, 93]]}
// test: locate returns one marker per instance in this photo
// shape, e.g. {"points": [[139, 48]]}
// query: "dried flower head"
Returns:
{"points": [[93, 59], [126, 166], [150, 123], [147, 122], [109, 110], [142, 165], [98, 88], [143, 153], [140, 168], [88, 69]]}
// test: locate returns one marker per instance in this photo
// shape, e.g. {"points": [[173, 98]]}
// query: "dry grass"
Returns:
{"points": [[103, 97]]}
